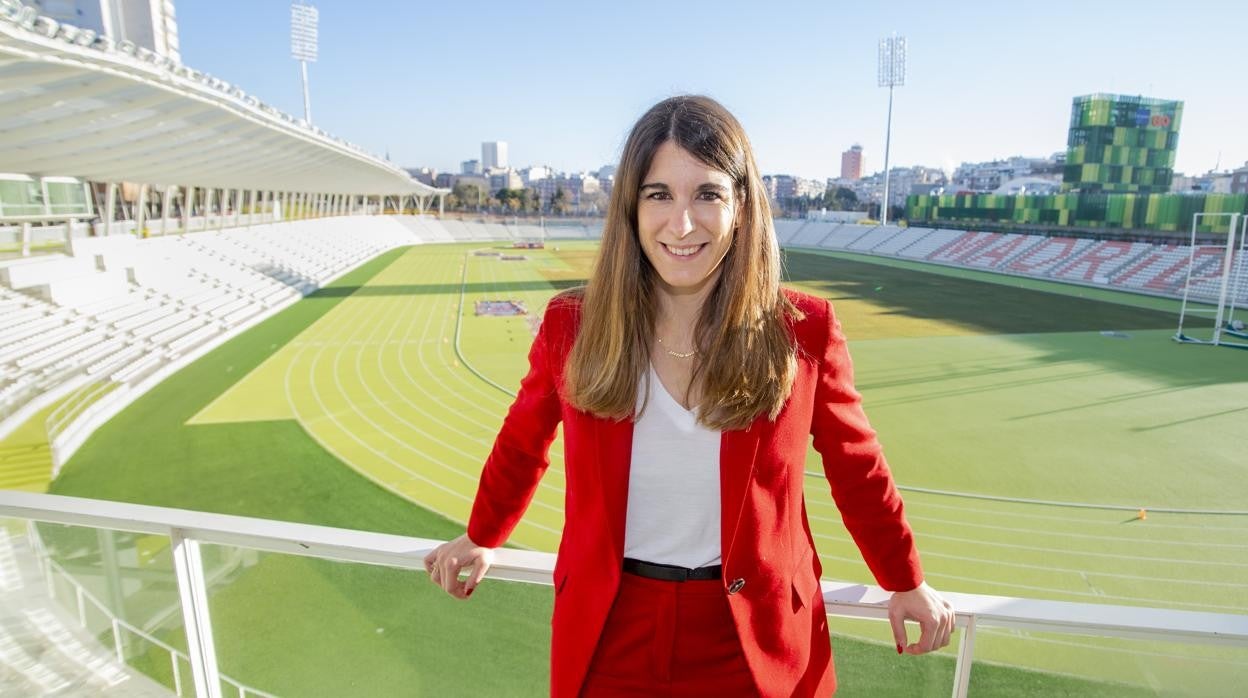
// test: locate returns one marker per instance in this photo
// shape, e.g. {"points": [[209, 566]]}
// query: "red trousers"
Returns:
{"points": [[669, 639]]}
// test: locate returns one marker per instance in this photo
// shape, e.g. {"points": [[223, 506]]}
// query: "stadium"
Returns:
{"points": [[249, 375]]}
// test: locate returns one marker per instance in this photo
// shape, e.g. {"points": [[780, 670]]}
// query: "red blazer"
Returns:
{"points": [[767, 547]]}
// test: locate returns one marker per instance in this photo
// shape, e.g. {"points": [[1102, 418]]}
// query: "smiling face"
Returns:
{"points": [[686, 213]]}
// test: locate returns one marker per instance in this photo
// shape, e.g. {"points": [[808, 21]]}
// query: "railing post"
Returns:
{"points": [[189, 566], [177, 673], [966, 648], [121, 655]]}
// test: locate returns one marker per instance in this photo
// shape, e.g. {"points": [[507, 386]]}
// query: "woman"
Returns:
{"points": [[688, 383]]}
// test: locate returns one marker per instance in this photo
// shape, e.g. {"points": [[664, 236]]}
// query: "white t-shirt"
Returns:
{"points": [[673, 484]]}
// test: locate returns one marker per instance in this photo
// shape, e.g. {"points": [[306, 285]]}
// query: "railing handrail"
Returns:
{"points": [[841, 598]]}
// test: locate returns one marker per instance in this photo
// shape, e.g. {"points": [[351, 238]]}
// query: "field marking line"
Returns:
{"points": [[455, 310], [553, 455], [455, 494], [497, 417], [1067, 551], [1074, 505], [489, 397], [492, 396], [1085, 536], [1162, 603], [819, 502], [463, 404], [1031, 637], [920, 503], [392, 315], [331, 450], [377, 322], [489, 272], [313, 382], [458, 321], [416, 312], [373, 325], [1016, 636], [1053, 502], [990, 563], [373, 322]]}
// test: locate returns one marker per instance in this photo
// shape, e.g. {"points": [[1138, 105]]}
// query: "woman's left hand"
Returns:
{"points": [[925, 607]]}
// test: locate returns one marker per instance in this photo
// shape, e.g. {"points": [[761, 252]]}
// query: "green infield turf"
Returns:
{"points": [[978, 386]]}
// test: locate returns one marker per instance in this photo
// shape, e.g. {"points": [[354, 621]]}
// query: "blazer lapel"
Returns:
{"points": [[737, 452], [614, 442]]}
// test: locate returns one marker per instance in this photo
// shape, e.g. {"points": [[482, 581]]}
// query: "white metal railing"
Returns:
{"points": [[188, 530], [83, 599]]}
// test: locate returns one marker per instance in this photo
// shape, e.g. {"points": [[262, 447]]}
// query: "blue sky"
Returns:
{"points": [[562, 82]]}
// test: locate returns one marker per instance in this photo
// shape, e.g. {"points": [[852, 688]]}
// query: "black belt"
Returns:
{"points": [[670, 573]]}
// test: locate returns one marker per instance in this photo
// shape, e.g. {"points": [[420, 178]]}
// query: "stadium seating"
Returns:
{"points": [[813, 233], [926, 245], [844, 234], [786, 229], [962, 247], [896, 243], [875, 237], [1135, 266], [123, 308], [1099, 262]]}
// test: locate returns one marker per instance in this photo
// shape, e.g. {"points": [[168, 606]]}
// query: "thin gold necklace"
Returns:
{"points": [[677, 354]]}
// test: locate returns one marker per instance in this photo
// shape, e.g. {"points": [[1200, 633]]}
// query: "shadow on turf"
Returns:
{"points": [[1061, 329], [987, 307], [495, 288]]}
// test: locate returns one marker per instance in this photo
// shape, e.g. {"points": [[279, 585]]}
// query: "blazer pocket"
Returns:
{"points": [[805, 582]]}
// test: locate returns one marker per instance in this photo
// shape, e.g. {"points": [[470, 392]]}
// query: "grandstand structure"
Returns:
{"points": [[159, 212]]}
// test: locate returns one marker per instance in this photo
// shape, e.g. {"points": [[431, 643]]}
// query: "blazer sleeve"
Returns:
{"points": [[521, 450], [854, 464]]}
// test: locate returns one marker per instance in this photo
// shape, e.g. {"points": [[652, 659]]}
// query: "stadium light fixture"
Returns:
{"points": [[303, 46], [892, 73]]}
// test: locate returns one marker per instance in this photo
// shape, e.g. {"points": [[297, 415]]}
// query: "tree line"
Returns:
{"points": [[470, 197]]}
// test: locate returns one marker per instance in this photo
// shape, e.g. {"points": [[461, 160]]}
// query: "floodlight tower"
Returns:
{"points": [[892, 73], [303, 21]]}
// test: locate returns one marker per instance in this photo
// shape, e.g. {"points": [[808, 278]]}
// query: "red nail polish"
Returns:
{"points": [[469, 592], [898, 649]]}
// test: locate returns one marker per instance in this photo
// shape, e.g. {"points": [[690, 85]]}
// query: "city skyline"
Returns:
{"points": [[562, 88]]}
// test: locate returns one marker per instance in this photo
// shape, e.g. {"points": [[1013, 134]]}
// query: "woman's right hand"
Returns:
{"points": [[446, 562]]}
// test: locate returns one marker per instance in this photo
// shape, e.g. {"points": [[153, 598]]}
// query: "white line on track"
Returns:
{"points": [[382, 306], [294, 406], [385, 318], [1134, 651], [1085, 536], [1066, 551], [979, 582], [921, 502], [311, 377], [374, 322], [401, 306]]}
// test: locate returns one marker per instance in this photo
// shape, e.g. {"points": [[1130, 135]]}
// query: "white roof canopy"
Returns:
{"points": [[73, 103]]}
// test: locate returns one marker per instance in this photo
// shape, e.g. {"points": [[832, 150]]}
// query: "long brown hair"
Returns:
{"points": [[746, 357]]}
